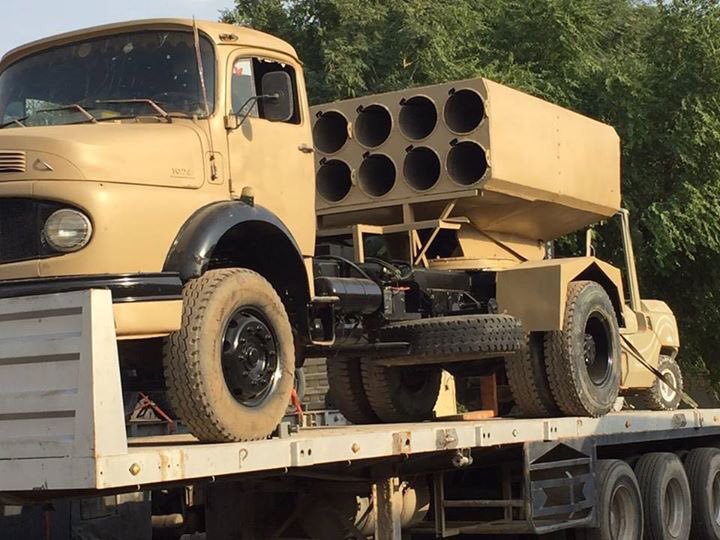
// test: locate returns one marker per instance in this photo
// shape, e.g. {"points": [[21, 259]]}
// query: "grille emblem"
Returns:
{"points": [[41, 165]]}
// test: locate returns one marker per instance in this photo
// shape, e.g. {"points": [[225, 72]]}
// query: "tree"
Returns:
{"points": [[651, 69]]}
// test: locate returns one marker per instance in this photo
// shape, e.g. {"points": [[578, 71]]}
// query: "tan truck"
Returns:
{"points": [[173, 163]]}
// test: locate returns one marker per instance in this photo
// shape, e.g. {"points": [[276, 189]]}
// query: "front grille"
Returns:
{"points": [[21, 223], [12, 161]]}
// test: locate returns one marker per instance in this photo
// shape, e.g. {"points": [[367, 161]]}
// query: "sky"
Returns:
{"points": [[35, 19]]}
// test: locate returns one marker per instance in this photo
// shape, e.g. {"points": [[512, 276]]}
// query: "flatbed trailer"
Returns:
{"points": [[63, 434]]}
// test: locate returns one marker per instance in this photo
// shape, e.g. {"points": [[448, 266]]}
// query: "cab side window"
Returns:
{"points": [[247, 74]]}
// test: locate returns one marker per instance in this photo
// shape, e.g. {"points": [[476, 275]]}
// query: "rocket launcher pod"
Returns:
{"points": [[516, 165]]}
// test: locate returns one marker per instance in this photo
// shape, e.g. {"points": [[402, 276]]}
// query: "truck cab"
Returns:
{"points": [[114, 142]]}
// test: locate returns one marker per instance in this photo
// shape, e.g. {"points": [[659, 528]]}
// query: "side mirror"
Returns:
{"points": [[278, 103]]}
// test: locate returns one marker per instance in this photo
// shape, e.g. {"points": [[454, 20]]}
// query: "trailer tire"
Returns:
{"points": [[666, 496], [619, 503], [583, 359], [346, 390], [401, 393], [527, 378], [438, 337], [229, 369], [702, 466], [660, 397]]}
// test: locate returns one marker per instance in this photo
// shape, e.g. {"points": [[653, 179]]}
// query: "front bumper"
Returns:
{"points": [[144, 305]]}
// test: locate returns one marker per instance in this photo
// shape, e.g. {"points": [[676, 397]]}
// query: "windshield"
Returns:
{"points": [[120, 76]]}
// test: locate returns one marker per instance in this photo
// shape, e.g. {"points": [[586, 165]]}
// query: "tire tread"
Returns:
{"points": [[181, 359]]}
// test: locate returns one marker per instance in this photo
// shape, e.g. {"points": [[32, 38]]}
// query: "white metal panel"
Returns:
{"points": [[60, 395]]}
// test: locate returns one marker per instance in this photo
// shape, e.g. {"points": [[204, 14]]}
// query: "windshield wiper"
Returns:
{"points": [[78, 107], [18, 121], [147, 101]]}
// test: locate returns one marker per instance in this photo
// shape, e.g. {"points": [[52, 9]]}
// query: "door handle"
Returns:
{"points": [[305, 149]]}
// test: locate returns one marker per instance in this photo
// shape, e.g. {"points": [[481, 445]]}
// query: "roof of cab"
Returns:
{"points": [[244, 36]]}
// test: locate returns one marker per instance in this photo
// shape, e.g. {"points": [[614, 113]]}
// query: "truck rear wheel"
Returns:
{"points": [[401, 393], [527, 378], [583, 359], [666, 496], [660, 397], [229, 369], [702, 466], [346, 390]]}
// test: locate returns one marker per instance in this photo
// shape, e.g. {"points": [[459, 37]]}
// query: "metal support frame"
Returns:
{"points": [[558, 485], [387, 496], [417, 248]]}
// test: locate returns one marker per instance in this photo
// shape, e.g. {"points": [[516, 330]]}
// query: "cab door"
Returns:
{"points": [[273, 158]]}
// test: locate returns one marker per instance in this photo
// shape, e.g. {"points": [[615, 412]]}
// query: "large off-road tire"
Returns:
{"points": [[702, 466], [619, 503], [666, 496], [346, 390], [660, 397], [458, 336], [229, 369], [401, 393], [583, 359], [527, 378]]}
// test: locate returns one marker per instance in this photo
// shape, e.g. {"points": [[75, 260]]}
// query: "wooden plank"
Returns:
{"points": [[470, 415], [488, 393]]}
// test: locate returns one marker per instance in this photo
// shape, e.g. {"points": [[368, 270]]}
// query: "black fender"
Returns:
{"points": [[234, 234], [194, 245]]}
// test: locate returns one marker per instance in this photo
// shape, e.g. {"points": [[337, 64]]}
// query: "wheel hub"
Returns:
{"points": [[666, 392], [249, 357], [597, 352]]}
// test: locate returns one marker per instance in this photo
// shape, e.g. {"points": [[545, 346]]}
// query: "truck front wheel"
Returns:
{"points": [[660, 396], [229, 369], [583, 359]]}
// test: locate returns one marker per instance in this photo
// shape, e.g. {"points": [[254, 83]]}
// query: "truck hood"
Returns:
{"points": [[137, 153]]}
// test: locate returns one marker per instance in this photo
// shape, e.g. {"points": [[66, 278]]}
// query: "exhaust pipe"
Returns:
{"points": [[418, 117], [372, 125], [330, 132], [421, 168], [464, 111], [376, 175], [466, 162]]}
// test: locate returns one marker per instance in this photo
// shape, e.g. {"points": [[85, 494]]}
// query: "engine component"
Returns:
{"points": [[357, 295]]}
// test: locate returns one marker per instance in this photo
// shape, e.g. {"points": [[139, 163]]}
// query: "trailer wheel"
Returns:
{"points": [[402, 393], [666, 496], [527, 378], [702, 466], [583, 359], [619, 503], [229, 369], [346, 390], [660, 397], [458, 335]]}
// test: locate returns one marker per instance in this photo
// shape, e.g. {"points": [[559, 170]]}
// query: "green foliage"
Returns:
{"points": [[651, 69]]}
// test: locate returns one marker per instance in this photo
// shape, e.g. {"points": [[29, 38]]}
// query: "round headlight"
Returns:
{"points": [[67, 230]]}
